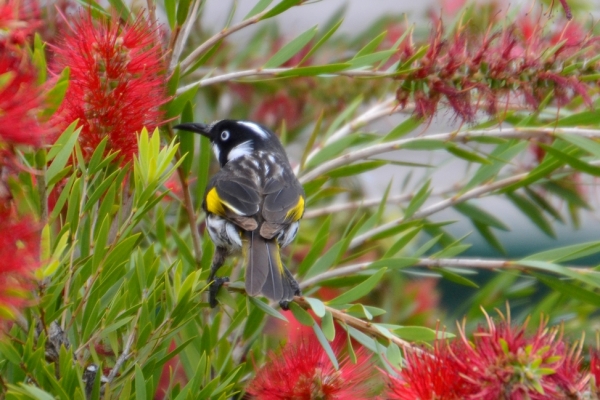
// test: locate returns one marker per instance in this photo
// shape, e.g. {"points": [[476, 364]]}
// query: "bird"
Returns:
{"points": [[253, 205]]}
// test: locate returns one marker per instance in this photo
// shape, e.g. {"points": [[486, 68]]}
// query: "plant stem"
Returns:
{"points": [[462, 137]]}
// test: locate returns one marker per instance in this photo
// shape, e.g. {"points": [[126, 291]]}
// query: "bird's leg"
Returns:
{"points": [[285, 304], [214, 281]]}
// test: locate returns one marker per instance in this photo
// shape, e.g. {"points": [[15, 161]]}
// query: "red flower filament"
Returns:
{"points": [[117, 82]]}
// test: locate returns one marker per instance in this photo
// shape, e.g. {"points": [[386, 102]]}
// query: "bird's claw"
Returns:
{"points": [[214, 289]]}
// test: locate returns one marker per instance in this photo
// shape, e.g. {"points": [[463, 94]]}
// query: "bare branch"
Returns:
{"points": [[232, 76], [432, 209], [182, 39], [337, 207], [465, 136], [473, 263], [363, 326]]}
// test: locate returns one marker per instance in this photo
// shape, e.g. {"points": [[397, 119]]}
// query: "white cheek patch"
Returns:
{"points": [[215, 150], [257, 129], [242, 149]]}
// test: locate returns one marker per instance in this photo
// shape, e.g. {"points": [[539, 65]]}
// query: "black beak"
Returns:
{"points": [[195, 127]]}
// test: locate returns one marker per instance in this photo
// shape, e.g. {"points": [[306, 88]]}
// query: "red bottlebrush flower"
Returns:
{"points": [[19, 100], [18, 21], [468, 72], [303, 371], [595, 367], [502, 362], [117, 82], [432, 376], [19, 251]]}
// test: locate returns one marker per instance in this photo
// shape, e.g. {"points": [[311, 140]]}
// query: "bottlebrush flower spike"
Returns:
{"points": [[18, 21], [19, 100], [501, 362], [117, 82], [19, 250], [427, 376], [303, 371], [522, 64]]}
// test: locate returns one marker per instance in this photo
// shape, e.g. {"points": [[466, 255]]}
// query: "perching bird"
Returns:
{"points": [[252, 204]]}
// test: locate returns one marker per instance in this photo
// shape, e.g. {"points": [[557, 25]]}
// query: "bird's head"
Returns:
{"points": [[232, 139]]}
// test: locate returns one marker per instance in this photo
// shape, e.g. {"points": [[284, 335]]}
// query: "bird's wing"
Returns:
{"points": [[283, 205], [233, 198]]}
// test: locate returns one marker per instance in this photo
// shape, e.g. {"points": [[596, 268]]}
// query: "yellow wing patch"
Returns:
{"points": [[216, 205], [297, 211]]}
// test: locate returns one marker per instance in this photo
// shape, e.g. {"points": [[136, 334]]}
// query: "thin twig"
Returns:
{"points": [[126, 350], [473, 263], [379, 110], [465, 136], [190, 59], [357, 323], [352, 205], [256, 72], [363, 326], [184, 34], [452, 201]]}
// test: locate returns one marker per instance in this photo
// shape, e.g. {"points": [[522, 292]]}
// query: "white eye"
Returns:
{"points": [[224, 135]]}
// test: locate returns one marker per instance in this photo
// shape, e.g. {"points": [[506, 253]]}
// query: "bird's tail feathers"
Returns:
{"points": [[265, 273]]}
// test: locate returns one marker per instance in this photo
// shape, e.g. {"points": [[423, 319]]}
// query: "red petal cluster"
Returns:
{"points": [[303, 371], [18, 21], [501, 362], [524, 63], [117, 82], [19, 100], [19, 252]]}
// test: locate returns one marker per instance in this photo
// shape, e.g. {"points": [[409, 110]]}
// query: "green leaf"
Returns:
{"points": [[290, 49], [328, 326], [260, 6], [419, 199], [480, 215], [532, 212], [317, 306], [416, 333], [567, 253], [140, 383], [586, 144], [360, 290], [404, 128], [322, 40], [56, 95], [500, 156], [317, 246], [121, 8], [394, 355], [176, 106], [64, 147], [301, 315], [465, 154], [280, 7], [370, 59], [183, 9], [314, 70], [572, 161], [267, 309], [186, 139], [171, 11], [326, 346], [355, 169], [569, 290], [424, 144], [456, 278]]}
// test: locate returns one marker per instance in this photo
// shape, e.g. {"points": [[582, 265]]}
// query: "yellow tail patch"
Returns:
{"points": [[297, 211]]}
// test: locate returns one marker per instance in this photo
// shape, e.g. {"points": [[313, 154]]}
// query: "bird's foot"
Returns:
{"points": [[214, 289]]}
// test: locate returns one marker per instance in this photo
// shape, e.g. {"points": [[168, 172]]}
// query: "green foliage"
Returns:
{"points": [[122, 278]]}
